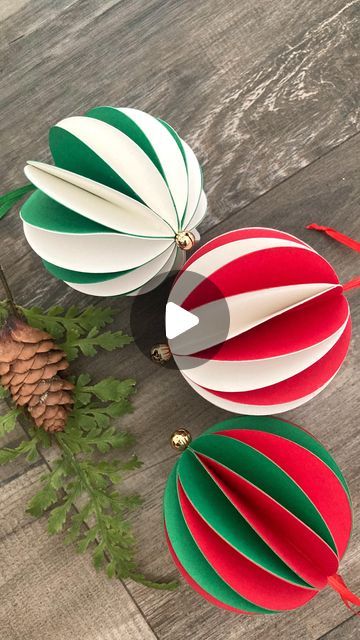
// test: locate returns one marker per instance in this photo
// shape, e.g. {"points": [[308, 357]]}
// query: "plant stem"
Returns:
{"points": [[8, 292], [102, 537], [68, 453], [70, 456]]}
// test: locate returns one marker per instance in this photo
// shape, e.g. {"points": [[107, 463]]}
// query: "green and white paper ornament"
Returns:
{"points": [[123, 201]]}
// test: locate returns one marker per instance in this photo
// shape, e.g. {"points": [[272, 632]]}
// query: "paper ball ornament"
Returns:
{"points": [[289, 322], [122, 201], [257, 516]]}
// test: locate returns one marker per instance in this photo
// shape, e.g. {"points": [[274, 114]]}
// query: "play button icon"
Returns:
{"points": [[178, 320], [166, 315]]}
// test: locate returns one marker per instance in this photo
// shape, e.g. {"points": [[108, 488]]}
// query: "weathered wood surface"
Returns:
{"points": [[268, 96], [49, 592]]}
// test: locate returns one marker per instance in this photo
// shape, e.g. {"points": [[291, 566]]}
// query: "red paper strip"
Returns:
{"points": [[352, 284], [337, 583], [262, 269], [240, 234]]}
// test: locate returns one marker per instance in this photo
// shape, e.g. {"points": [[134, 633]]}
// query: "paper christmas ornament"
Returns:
{"points": [[121, 203], [257, 516], [289, 322]]}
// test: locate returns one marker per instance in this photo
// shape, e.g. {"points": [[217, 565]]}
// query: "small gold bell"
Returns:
{"points": [[180, 439], [185, 240], [160, 353]]}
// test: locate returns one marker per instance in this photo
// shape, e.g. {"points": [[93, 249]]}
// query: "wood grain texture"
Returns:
{"points": [[266, 93], [259, 89], [47, 591], [347, 630]]}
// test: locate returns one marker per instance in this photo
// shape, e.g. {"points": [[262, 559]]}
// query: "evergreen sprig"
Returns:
{"points": [[8, 421], [59, 321], [26, 448], [88, 345], [80, 492]]}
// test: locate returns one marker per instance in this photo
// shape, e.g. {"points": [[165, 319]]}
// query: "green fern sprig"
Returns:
{"points": [[58, 321], [88, 345], [80, 493]]}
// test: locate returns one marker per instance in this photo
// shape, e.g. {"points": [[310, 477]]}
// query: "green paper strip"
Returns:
{"points": [[267, 476], [79, 277], [219, 512], [42, 211], [72, 154], [191, 557]]}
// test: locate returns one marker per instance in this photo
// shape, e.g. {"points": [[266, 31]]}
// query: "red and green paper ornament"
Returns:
{"points": [[119, 207], [257, 516]]}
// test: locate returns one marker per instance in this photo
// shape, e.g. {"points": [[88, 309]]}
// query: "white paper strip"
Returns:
{"points": [[199, 213], [220, 256], [93, 253], [97, 202], [130, 281], [195, 185], [159, 278], [168, 153]]}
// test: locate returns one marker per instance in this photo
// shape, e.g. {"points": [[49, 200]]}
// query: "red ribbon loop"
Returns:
{"points": [[340, 237], [348, 597], [348, 242], [352, 284]]}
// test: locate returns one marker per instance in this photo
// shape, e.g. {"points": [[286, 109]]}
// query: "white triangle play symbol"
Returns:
{"points": [[178, 320]]}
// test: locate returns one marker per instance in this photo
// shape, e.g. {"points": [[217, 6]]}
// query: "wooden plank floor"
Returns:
{"points": [[268, 96]]}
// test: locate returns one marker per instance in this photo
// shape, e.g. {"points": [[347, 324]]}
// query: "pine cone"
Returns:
{"points": [[29, 363]]}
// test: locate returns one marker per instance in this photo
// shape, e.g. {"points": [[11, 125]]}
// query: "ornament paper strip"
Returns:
{"points": [[104, 219], [257, 515], [289, 327]]}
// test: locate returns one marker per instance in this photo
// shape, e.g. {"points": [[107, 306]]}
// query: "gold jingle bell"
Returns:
{"points": [[185, 240], [180, 439], [160, 353]]}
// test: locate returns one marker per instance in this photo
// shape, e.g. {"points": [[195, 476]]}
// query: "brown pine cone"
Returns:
{"points": [[30, 362]]}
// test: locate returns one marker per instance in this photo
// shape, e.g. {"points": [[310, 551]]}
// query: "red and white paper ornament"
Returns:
{"points": [[289, 322]]}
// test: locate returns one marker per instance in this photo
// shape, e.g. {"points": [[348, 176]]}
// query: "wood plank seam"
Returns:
{"points": [[338, 626]]}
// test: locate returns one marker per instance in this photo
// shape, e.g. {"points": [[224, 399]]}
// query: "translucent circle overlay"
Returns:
{"points": [[147, 320]]}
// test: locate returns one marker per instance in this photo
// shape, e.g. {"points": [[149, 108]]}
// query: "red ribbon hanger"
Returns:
{"points": [[337, 583], [347, 241]]}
